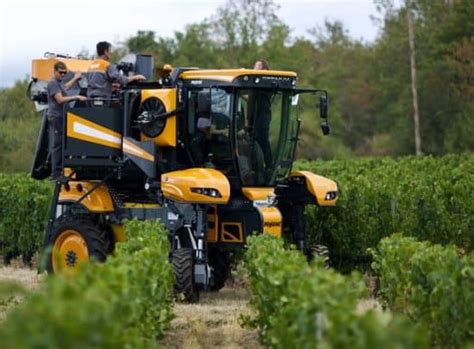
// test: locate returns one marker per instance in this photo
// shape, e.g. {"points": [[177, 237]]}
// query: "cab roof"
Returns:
{"points": [[229, 75]]}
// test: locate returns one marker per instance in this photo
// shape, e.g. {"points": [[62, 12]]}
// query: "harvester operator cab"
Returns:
{"points": [[253, 125]]}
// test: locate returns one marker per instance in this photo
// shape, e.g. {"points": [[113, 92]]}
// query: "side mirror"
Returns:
{"points": [[323, 107], [323, 113], [325, 127]]}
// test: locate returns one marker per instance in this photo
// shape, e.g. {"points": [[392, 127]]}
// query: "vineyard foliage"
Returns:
{"points": [[306, 306], [124, 303], [430, 283], [23, 215], [429, 198]]}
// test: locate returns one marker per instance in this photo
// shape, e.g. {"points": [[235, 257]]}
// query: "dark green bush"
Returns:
{"points": [[429, 198], [23, 215], [123, 303], [429, 283], [306, 306]]}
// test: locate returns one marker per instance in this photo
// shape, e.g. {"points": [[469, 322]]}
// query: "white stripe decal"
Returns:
{"points": [[133, 149], [91, 132], [129, 149]]}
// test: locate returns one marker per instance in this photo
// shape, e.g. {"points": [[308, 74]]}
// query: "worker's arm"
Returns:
{"points": [[137, 77], [60, 99], [219, 132], [115, 76], [70, 83]]}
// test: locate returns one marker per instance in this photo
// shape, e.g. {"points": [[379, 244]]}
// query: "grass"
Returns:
{"points": [[213, 322]]}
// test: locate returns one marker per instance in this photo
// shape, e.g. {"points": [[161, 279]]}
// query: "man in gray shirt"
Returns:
{"points": [[57, 96], [104, 76]]}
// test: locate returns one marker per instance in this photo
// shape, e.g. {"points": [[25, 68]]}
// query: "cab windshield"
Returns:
{"points": [[265, 128], [246, 132]]}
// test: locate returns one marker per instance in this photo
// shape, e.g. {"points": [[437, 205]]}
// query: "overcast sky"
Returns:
{"points": [[30, 28]]}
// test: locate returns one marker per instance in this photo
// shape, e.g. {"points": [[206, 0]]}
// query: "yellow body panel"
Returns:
{"points": [[132, 149], [79, 128], [228, 75], [272, 220], [68, 171], [213, 224], [318, 186], [88, 131], [119, 232], [139, 205], [258, 193], [168, 97], [177, 185], [43, 69], [98, 201]]}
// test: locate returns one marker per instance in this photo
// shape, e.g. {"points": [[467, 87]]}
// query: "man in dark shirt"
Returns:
{"points": [[57, 96], [104, 76]]}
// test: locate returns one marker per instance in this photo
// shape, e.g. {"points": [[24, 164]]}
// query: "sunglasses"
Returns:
{"points": [[62, 72]]}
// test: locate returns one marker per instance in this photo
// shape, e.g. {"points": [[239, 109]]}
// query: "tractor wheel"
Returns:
{"points": [[219, 260], [74, 241], [321, 251], [183, 266]]}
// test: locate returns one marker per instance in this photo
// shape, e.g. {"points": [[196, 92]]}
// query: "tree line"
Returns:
{"points": [[371, 107]]}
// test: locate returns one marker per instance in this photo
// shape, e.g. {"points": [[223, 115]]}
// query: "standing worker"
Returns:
{"points": [[103, 76], [261, 64], [57, 96]]}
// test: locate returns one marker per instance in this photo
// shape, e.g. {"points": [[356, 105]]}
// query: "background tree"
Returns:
{"points": [[416, 112]]}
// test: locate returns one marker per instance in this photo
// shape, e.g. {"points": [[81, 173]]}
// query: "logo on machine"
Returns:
{"points": [[277, 78], [268, 202]]}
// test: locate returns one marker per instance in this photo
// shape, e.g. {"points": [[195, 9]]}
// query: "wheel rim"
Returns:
{"points": [[69, 251]]}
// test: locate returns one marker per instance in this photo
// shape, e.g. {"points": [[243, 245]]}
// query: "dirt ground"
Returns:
{"points": [[26, 278], [213, 322]]}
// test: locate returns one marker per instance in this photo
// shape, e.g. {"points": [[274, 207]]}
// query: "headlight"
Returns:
{"points": [[213, 193], [330, 195]]}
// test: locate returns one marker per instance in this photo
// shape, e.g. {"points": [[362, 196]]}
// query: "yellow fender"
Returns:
{"points": [[98, 201], [196, 185], [323, 189]]}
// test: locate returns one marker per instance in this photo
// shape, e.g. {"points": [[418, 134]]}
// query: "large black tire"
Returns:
{"points": [[320, 251], [183, 266], [73, 241], [219, 260]]}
